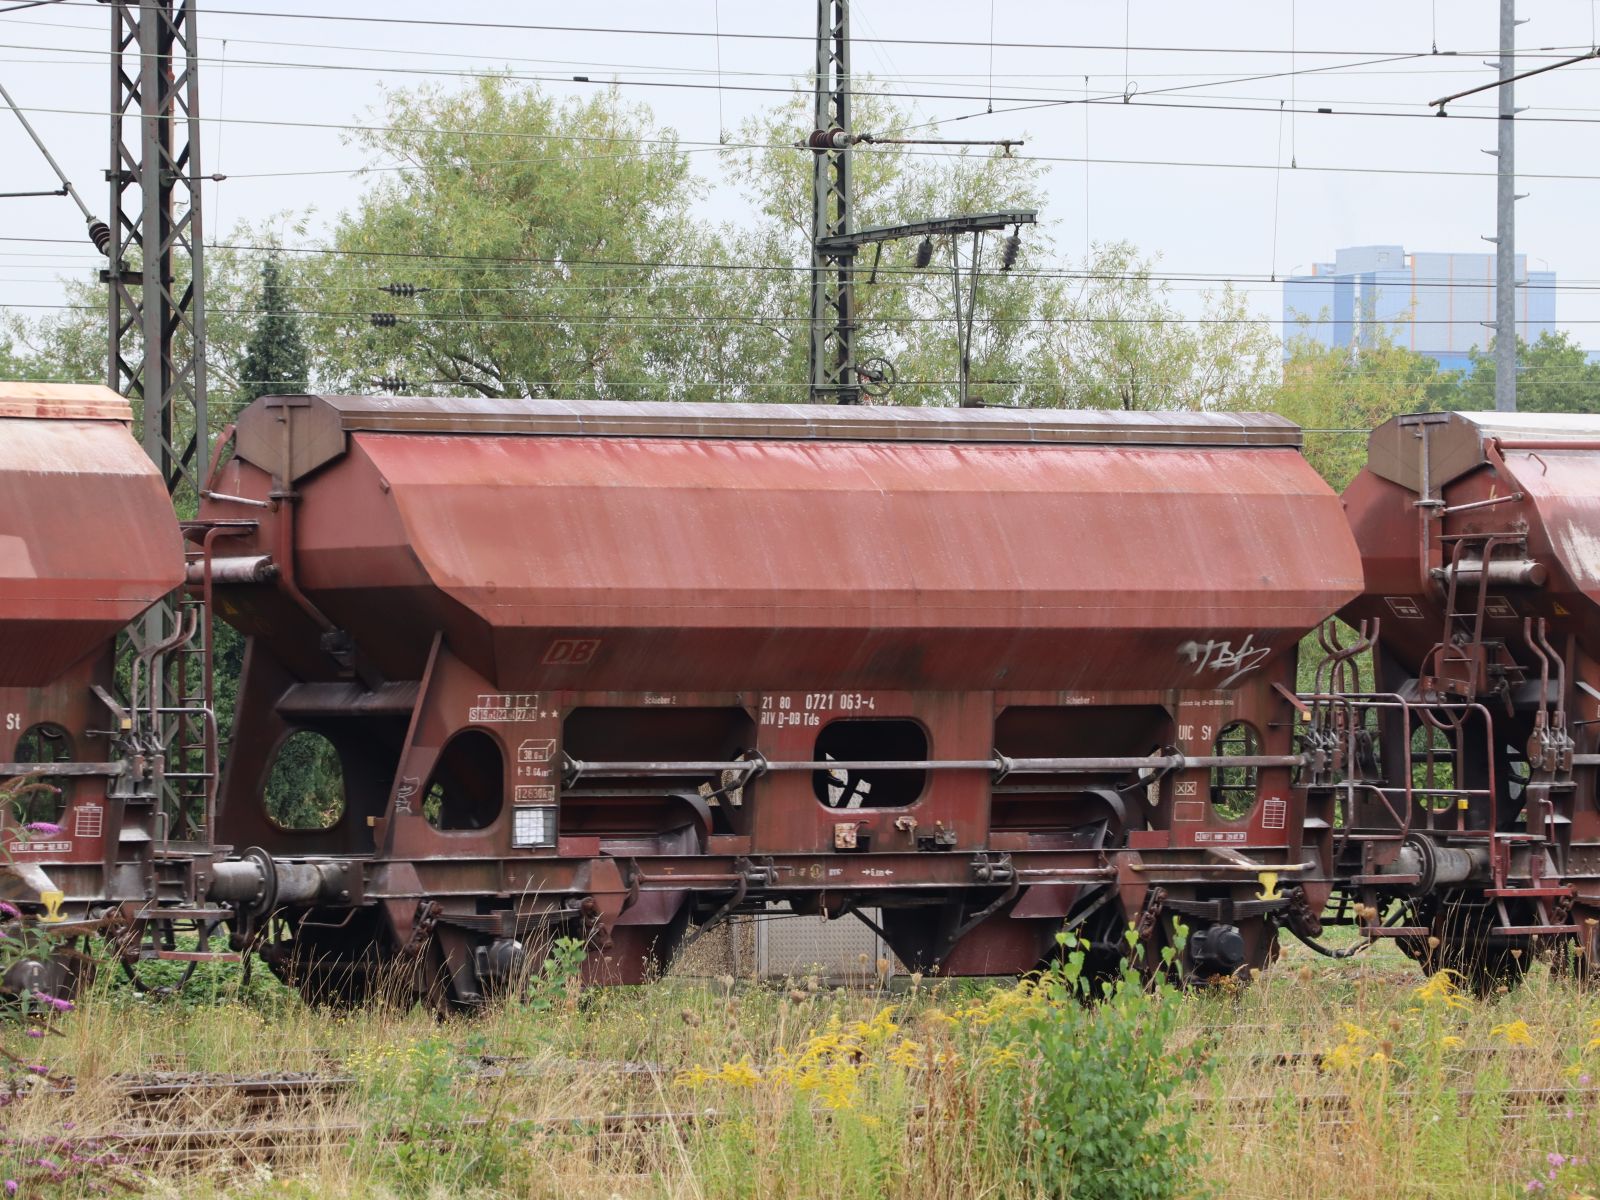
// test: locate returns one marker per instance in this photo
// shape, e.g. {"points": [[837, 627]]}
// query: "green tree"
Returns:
{"points": [[1553, 375], [305, 788], [1339, 394], [518, 223], [275, 360], [1121, 342], [904, 314], [1103, 335], [15, 362], [70, 343]]}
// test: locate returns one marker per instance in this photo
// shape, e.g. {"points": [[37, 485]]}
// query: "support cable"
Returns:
{"points": [[66, 184]]}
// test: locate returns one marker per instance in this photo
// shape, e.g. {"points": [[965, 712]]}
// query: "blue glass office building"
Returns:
{"points": [[1441, 305]]}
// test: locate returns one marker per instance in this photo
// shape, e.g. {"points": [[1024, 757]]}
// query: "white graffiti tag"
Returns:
{"points": [[1221, 656]]}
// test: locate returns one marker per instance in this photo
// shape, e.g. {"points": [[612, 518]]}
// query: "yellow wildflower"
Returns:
{"points": [[1442, 990], [1342, 1057], [1451, 1042], [907, 1054], [1516, 1033], [740, 1074]]}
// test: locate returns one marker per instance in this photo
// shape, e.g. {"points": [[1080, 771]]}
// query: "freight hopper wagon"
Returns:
{"points": [[1471, 765], [94, 811], [623, 670]]}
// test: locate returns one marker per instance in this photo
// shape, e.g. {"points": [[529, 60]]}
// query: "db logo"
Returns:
{"points": [[571, 652]]}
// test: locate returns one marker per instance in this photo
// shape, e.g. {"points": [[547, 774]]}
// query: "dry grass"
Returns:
{"points": [[1325, 1079]]}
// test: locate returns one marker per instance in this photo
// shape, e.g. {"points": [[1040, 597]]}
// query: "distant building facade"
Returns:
{"points": [[1440, 305]]}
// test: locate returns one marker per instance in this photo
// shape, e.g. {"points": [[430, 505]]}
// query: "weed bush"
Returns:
{"points": [[1085, 1089], [431, 1130]]}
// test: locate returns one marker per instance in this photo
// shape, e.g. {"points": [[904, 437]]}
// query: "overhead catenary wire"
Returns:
{"points": [[38, 141], [1085, 159], [525, 262], [1355, 69], [649, 31], [737, 318]]}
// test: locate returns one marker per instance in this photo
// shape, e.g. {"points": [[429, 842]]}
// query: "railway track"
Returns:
{"points": [[168, 1089], [151, 1110], [264, 1142]]}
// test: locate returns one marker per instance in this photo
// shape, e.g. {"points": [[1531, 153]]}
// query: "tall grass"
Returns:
{"points": [[1347, 1079]]}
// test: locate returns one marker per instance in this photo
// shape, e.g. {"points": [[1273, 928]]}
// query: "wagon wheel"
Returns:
{"points": [[130, 966], [1462, 940]]}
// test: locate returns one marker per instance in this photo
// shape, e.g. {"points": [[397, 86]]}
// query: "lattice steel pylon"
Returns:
{"points": [[156, 354], [833, 304], [156, 316]]}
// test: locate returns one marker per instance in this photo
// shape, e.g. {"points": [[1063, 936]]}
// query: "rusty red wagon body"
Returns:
{"points": [[1480, 538], [632, 667], [88, 542]]}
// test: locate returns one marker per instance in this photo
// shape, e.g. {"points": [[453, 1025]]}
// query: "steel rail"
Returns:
{"points": [[267, 1139]]}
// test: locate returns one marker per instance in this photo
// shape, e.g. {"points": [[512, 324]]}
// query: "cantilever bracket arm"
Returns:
{"points": [[849, 243], [1566, 62]]}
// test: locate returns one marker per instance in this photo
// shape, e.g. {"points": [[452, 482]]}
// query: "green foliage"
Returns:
{"points": [[305, 789], [1089, 1099], [432, 1130], [1122, 343], [1338, 395], [23, 938], [275, 360], [1112, 340], [508, 173], [905, 315], [555, 985], [1553, 375], [166, 984]]}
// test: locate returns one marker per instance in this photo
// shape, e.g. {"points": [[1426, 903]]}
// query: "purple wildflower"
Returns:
{"points": [[1556, 1159], [1535, 1185], [11, 1187], [60, 1004], [35, 1033], [48, 828], [1584, 1080], [10, 910]]}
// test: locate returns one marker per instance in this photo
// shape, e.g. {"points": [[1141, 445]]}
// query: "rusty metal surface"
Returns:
{"points": [[1031, 628], [62, 401], [1441, 494], [1542, 501], [322, 424], [720, 563], [88, 539], [1456, 442]]}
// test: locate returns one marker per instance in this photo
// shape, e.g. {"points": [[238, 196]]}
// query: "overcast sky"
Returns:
{"points": [[1195, 168]]}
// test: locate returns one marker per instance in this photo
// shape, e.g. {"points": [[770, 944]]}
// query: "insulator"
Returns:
{"points": [[383, 320], [393, 383], [100, 235], [1008, 251], [828, 139], [403, 290], [924, 252]]}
